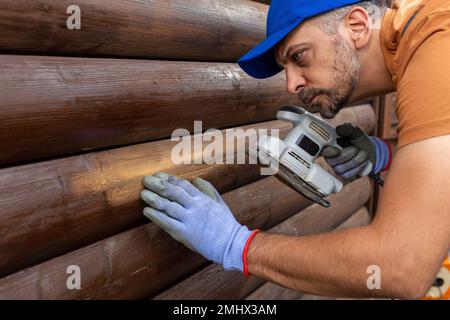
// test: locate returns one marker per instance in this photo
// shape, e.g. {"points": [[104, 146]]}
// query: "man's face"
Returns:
{"points": [[322, 69]]}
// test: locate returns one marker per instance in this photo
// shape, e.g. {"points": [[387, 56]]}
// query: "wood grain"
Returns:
{"points": [[200, 30], [213, 282], [56, 106], [52, 207], [144, 260]]}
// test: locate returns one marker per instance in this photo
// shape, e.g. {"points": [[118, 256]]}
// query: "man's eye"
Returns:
{"points": [[298, 56]]}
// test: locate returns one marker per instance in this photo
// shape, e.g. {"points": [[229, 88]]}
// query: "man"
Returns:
{"points": [[333, 53]]}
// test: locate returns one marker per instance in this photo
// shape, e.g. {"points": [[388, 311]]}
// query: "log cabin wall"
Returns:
{"points": [[85, 114]]}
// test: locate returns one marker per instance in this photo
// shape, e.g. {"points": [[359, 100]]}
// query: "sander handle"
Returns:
{"points": [[296, 114]]}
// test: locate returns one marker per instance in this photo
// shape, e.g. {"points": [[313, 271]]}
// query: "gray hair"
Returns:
{"points": [[375, 8]]}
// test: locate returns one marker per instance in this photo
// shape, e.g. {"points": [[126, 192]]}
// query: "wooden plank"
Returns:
{"points": [[54, 106], [273, 291], [201, 30], [53, 207], [144, 260], [214, 283]]}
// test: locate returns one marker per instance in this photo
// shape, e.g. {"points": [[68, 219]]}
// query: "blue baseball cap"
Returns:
{"points": [[284, 16]]}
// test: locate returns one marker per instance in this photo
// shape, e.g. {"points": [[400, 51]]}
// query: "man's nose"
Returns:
{"points": [[294, 81]]}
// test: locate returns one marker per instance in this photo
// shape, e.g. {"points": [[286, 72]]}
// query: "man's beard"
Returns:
{"points": [[346, 67]]}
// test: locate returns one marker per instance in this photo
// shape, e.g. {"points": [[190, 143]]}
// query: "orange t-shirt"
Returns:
{"points": [[415, 39]]}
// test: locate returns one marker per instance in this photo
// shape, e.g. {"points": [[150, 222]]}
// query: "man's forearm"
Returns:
{"points": [[332, 264]]}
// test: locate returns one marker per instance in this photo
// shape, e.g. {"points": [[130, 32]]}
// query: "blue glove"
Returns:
{"points": [[196, 216], [362, 155]]}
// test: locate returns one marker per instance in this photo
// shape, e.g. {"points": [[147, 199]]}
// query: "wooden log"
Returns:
{"points": [[139, 262], [273, 291], [201, 30], [361, 218], [52, 207], [55, 106], [362, 115], [214, 283]]}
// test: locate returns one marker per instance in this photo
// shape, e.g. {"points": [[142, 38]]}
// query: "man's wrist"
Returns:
{"points": [[232, 259], [251, 252], [245, 252]]}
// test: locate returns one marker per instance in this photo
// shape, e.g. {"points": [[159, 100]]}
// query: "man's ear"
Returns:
{"points": [[360, 26]]}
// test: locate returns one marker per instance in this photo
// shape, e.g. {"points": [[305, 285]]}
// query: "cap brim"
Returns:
{"points": [[260, 62]]}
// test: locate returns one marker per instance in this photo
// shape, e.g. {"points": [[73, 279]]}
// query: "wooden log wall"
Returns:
{"points": [[272, 291], [85, 114], [214, 283], [199, 30], [98, 103]]}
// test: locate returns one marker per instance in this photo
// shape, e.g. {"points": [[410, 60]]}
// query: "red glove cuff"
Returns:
{"points": [[244, 253]]}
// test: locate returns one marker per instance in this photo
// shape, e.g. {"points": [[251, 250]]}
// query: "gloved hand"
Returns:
{"points": [[361, 155], [198, 217]]}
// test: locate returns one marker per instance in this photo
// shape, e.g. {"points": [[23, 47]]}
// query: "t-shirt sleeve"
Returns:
{"points": [[423, 93]]}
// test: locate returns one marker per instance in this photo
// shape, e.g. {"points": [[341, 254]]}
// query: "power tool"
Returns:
{"points": [[293, 158]]}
